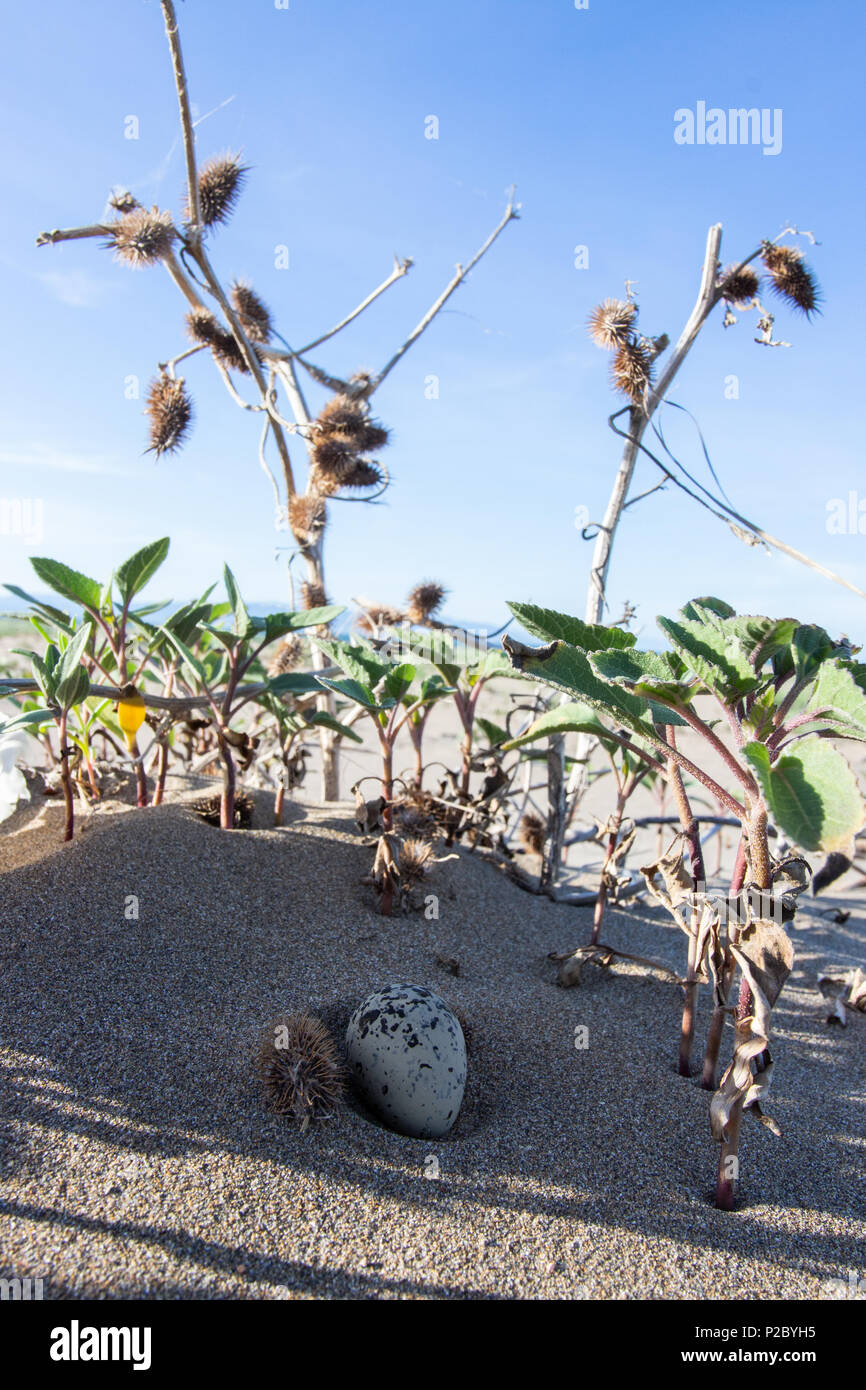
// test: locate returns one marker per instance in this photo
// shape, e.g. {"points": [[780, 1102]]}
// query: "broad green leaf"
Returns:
{"points": [[698, 608], [293, 683], [358, 662], [350, 689], [568, 669], [68, 582], [73, 689], [760, 638], [321, 718], [493, 663], [810, 646], [135, 572], [811, 793], [838, 698], [717, 658], [654, 675], [550, 626], [398, 680], [569, 718], [71, 680], [278, 624]]}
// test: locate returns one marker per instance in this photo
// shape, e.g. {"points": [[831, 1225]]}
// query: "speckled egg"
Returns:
{"points": [[408, 1054]]}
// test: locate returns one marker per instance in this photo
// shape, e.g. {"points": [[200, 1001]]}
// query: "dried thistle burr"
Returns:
{"points": [[219, 185], [300, 1069], [611, 323], [791, 277], [416, 861], [254, 316], [532, 833], [631, 371], [169, 410], [142, 238], [365, 474], [207, 808], [424, 602], [739, 287], [313, 595], [287, 657], [203, 327], [122, 201], [308, 515]]}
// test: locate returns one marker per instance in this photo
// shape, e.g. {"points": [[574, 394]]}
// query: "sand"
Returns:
{"points": [[137, 1160]]}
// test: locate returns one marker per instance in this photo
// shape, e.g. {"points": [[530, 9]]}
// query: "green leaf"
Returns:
{"points": [[698, 608], [715, 657], [190, 665], [56, 615], [838, 698], [760, 638], [568, 669], [810, 646], [494, 733], [278, 624], [243, 623], [550, 626], [321, 718], [811, 793], [358, 662], [68, 582], [69, 687], [293, 683], [574, 717], [135, 572], [398, 680], [352, 690], [29, 719], [651, 674]]}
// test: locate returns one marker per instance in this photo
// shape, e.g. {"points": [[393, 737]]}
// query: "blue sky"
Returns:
{"points": [[328, 102]]}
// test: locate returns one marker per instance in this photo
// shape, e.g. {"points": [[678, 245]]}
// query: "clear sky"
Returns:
{"points": [[329, 100]]}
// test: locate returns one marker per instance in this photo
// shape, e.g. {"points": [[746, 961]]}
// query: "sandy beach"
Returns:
{"points": [[137, 1159]]}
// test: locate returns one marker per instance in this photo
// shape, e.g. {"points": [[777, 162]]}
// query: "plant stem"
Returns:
{"points": [[66, 780], [759, 856], [717, 1022], [227, 800], [691, 835]]}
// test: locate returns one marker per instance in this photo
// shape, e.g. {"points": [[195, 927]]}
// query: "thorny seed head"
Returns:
{"points": [[307, 516], [791, 277], [288, 656], [366, 473], [142, 238], [376, 615], [739, 287], [631, 370], [424, 601], [169, 410], [610, 324], [219, 184], [209, 809], [416, 860], [350, 418], [300, 1068], [203, 327], [254, 316], [313, 596], [532, 833]]}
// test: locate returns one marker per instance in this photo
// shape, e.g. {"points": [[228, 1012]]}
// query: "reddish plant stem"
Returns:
{"points": [[161, 773], [717, 1022], [387, 906], [227, 800], [278, 801], [141, 782], [66, 780], [692, 837], [729, 1162]]}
